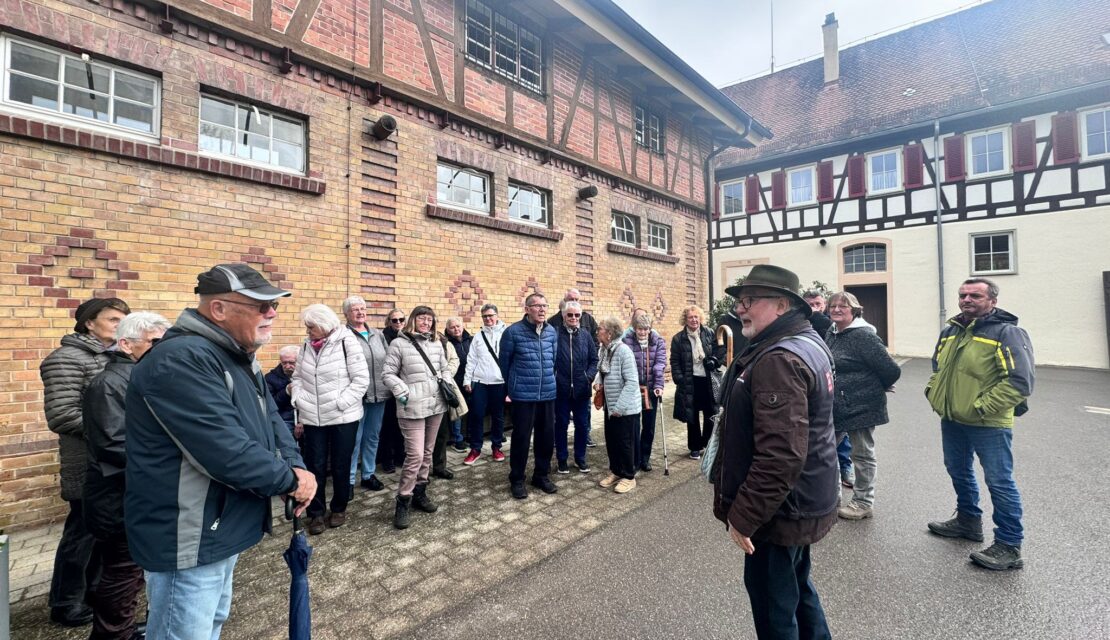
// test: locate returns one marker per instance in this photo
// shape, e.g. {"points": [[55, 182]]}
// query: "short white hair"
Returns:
{"points": [[320, 316], [289, 349], [570, 304], [352, 301], [448, 321], [136, 325]]}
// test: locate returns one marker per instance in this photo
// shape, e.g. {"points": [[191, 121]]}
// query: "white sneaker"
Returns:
{"points": [[625, 485], [609, 480]]}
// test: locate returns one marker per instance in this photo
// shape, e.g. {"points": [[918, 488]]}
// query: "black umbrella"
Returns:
{"points": [[296, 556]]}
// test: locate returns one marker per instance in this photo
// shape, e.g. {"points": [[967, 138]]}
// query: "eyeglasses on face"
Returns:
{"points": [[839, 306], [573, 315], [537, 306], [397, 321], [487, 316], [746, 302], [260, 307]]}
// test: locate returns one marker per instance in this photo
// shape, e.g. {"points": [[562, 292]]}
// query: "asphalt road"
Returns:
{"points": [[669, 570]]}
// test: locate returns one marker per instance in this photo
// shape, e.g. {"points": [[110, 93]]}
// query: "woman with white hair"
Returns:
{"points": [[650, 351], [617, 377], [373, 403], [328, 387]]}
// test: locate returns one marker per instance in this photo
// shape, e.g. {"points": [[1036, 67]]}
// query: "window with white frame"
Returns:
{"points": [[988, 153], [865, 258], [993, 253], [624, 229], [91, 92], [245, 132], [648, 128], [1096, 133], [732, 198], [497, 42], [800, 187], [465, 188], [528, 204], [884, 171], [659, 237]]}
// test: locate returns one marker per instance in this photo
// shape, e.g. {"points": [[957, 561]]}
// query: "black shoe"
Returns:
{"points": [[518, 490], [590, 442], [445, 474], [138, 632], [999, 557], [421, 501], [645, 466], [389, 468], [460, 447], [401, 513], [563, 468], [351, 495], [545, 484], [372, 483], [582, 465], [962, 526], [77, 615]]}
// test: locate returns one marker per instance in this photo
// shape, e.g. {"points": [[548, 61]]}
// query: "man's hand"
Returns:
{"points": [[742, 541], [508, 400], [298, 431], [306, 489], [614, 414], [467, 388]]}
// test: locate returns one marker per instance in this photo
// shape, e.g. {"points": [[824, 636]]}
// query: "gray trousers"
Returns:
{"points": [[866, 466]]}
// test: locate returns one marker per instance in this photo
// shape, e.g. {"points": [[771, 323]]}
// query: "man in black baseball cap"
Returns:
{"points": [[237, 278]]}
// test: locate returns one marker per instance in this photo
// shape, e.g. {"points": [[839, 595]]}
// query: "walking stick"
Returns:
{"points": [[666, 463]]}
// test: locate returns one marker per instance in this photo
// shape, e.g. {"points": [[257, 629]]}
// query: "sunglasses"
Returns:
{"points": [[397, 320], [261, 307], [573, 315]]}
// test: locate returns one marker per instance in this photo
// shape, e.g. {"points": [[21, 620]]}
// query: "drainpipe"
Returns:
{"points": [[710, 184], [940, 230]]}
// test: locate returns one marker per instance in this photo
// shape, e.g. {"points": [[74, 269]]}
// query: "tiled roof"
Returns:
{"points": [[984, 56]]}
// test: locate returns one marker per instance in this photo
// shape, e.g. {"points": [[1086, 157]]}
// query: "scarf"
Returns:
{"points": [[695, 339], [605, 356], [317, 344]]}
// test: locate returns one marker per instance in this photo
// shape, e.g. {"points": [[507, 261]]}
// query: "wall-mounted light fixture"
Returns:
{"points": [[587, 192], [823, 242], [384, 127]]}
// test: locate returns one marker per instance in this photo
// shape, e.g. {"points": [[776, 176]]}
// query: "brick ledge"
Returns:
{"points": [[500, 224], [613, 247]]}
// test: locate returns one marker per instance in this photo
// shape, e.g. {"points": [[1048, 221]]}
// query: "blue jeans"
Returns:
{"points": [[785, 604], [487, 399], [844, 453], [456, 431], [647, 432], [961, 444], [564, 408], [189, 604], [366, 440]]}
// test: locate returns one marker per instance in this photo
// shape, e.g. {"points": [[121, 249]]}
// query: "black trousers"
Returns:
{"points": [[647, 430], [391, 445], [698, 431], [439, 452], [620, 444], [116, 596], [531, 421], [336, 442], [784, 601], [76, 563]]}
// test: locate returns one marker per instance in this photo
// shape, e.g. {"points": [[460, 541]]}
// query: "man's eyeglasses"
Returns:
{"points": [[573, 315], [397, 321], [746, 302], [489, 315], [537, 306], [261, 307]]}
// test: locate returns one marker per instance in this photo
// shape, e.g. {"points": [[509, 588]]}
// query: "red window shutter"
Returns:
{"points": [[717, 201], [913, 166], [751, 194], [1024, 139], [857, 176], [954, 166], [778, 190], [825, 181], [1065, 138]]}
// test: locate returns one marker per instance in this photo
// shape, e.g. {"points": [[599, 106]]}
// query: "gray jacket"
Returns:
{"points": [[864, 371], [66, 374], [406, 374], [617, 371], [374, 348]]}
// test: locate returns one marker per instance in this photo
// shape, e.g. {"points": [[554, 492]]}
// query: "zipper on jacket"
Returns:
{"points": [[572, 364]]}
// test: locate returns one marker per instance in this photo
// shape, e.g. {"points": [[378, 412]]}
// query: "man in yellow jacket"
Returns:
{"points": [[982, 372]]}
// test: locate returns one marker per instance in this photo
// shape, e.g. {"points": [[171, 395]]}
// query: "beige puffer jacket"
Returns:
{"points": [[328, 386], [406, 374]]}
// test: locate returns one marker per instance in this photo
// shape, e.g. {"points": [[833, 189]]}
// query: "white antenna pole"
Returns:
{"points": [[772, 36]]}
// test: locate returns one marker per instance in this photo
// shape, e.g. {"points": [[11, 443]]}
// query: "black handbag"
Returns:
{"points": [[445, 388]]}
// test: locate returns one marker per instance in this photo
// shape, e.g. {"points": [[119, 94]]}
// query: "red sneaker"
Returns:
{"points": [[498, 456], [472, 457]]}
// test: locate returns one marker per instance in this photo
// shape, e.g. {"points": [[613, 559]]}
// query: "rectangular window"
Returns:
{"points": [[988, 153], [884, 171], [865, 258], [87, 92], [247, 133], [528, 204], [463, 188], [1096, 133], [648, 128], [497, 42], [659, 237], [624, 228], [993, 253], [732, 198], [801, 187]]}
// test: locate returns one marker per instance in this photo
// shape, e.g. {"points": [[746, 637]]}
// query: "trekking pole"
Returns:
{"points": [[666, 463]]}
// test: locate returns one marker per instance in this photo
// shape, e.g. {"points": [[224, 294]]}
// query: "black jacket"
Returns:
{"points": [[864, 371], [820, 323], [577, 352], [739, 342], [102, 410], [682, 369], [278, 383], [462, 349]]}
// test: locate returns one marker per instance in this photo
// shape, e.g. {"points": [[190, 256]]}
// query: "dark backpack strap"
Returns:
{"points": [[488, 345]]}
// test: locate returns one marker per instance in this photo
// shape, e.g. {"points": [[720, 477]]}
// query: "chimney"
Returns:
{"points": [[832, 54]]}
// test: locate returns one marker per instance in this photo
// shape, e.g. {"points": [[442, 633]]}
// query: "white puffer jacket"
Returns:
{"points": [[328, 386], [406, 374], [481, 364]]}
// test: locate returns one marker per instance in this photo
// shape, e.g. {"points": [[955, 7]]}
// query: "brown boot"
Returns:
{"points": [[316, 526], [337, 519]]}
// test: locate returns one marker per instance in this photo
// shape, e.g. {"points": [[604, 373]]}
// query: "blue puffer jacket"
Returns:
{"points": [[575, 363], [527, 361]]}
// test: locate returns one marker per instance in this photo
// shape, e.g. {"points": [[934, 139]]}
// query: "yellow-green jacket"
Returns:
{"points": [[981, 371]]}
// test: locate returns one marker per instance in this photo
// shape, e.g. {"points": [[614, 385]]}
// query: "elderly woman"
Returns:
{"points": [[373, 403], [616, 375], [460, 340], [575, 369], [416, 359], [864, 372], [694, 358], [391, 447], [328, 387], [650, 351]]}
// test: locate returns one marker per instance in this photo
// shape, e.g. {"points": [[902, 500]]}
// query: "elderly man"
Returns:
{"points": [[982, 375], [527, 360], [115, 597], [775, 482], [278, 380], [65, 373], [575, 368], [206, 448]]}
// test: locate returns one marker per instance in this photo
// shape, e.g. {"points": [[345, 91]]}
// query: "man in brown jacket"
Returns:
{"points": [[775, 474]]}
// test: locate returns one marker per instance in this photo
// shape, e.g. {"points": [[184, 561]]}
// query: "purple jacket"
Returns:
{"points": [[657, 354]]}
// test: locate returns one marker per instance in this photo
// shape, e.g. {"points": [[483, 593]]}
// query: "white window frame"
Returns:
{"points": [[732, 183], [489, 40], [633, 228], [59, 116], [659, 242], [812, 170], [470, 172], [864, 246], [647, 128], [1105, 109], [969, 159], [898, 178], [545, 204], [255, 112], [1012, 233]]}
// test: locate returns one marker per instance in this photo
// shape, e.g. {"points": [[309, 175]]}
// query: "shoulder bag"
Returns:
{"points": [[450, 395]]}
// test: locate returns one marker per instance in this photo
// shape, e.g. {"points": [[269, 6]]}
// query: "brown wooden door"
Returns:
{"points": [[873, 299]]}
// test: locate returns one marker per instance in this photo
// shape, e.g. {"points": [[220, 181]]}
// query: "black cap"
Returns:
{"points": [[768, 276], [90, 309], [237, 278]]}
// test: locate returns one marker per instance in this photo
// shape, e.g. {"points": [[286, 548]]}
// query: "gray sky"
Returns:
{"points": [[728, 40]]}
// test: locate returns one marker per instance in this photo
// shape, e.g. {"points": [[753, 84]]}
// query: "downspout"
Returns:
{"points": [[709, 200], [940, 230]]}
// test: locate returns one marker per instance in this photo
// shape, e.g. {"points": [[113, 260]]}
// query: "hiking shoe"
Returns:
{"points": [[472, 457], [401, 515], [855, 511], [582, 465], [498, 456], [460, 447], [563, 468], [316, 526], [962, 526], [998, 557], [609, 480], [518, 490], [624, 485], [545, 485], [848, 478], [590, 442], [695, 455], [336, 519], [421, 501], [372, 483]]}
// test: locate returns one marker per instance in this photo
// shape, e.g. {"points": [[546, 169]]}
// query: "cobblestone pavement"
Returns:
{"points": [[369, 580]]}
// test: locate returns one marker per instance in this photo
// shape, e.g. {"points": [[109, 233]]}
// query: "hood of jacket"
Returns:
{"points": [[857, 323]]}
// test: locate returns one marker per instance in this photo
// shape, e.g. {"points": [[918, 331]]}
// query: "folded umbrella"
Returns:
{"points": [[296, 556]]}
